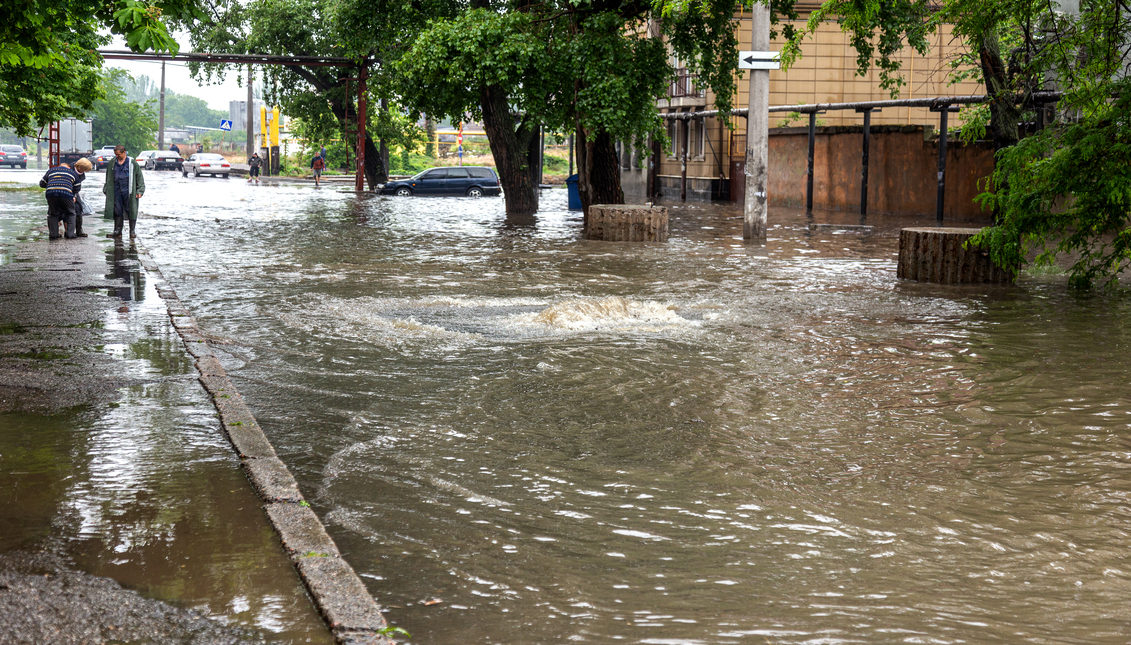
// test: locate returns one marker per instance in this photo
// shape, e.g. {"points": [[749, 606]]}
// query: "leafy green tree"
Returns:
{"points": [[589, 66], [322, 97], [182, 110], [116, 121], [48, 66]]}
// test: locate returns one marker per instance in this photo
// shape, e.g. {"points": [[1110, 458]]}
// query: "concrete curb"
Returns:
{"points": [[340, 596]]}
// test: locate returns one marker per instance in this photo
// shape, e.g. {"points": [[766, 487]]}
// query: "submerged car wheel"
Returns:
{"points": [[475, 191], [404, 191], [196, 172]]}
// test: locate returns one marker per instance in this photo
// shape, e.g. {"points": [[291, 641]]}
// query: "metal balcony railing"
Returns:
{"points": [[684, 86]]}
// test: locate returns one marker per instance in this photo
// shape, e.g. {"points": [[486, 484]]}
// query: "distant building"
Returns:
{"points": [[237, 113]]}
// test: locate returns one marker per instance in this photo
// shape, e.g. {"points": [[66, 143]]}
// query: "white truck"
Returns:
{"points": [[76, 140]]}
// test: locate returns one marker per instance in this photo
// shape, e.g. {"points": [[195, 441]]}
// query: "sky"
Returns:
{"points": [[177, 76]]}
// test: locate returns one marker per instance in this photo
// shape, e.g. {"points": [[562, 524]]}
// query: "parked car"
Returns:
{"points": [[206, 163], [103, 157], [473, 181], [158, 159], [13, 156]]}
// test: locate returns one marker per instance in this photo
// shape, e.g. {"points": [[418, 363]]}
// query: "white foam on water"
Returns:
{"points": [[613, 313]]}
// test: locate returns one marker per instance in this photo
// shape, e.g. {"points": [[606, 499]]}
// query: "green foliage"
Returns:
{"points": [[182, 110], [118, 121], [48, 66], [1069, 193], [394, 631], [320, 100], [570, 63], [66, 84], [877, 29], [795, 117], [1065, 190]]}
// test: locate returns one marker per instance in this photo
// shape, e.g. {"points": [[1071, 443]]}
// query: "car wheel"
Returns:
{"points": [[404, 191], [24, 166], [196, 172], [148, 165], [475, 191], [225, 175]]}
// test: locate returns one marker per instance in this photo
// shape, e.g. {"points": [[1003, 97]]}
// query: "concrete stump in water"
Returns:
{"points": [[627, 223], [938, 255]]}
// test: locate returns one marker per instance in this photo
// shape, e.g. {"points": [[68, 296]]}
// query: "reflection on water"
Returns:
{"points": [[125, 267], [519, 436]]}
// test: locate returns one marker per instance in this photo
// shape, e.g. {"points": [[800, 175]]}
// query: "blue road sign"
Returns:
{"points": [[225, 125]]}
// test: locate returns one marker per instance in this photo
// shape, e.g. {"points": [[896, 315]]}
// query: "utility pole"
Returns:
{"points": [[161, 117], [250, 116], [757, 131]]}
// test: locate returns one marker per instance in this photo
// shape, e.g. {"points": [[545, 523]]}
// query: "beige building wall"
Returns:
{"points": [[826, 73]]}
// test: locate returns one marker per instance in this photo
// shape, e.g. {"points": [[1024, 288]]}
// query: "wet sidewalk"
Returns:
{"points": [[124, 515]]}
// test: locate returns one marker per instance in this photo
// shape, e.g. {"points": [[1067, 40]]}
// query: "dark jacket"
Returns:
{"points": [[318, 162], [255, 162]]}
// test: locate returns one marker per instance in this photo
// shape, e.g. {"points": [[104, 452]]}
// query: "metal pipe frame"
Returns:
{"points": [[864, 164], [822, 107], [238, 59], [809, 168]]}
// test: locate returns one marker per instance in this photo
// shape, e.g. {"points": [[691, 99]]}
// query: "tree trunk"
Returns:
{"points": [[1004, 112], [598, 170], [510, 145]]}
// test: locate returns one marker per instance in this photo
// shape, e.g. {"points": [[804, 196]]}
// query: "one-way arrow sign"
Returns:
{"points": [[758, 60]]}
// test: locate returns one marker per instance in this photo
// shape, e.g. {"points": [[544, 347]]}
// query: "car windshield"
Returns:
{"points": [[12, 149], [422, 173]]}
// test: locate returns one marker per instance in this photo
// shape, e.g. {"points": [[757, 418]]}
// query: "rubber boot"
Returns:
{"points": [[117, 227], [133, 224]]}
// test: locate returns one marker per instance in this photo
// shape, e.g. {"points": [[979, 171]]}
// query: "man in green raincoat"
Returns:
{"points": [[124, 186]]}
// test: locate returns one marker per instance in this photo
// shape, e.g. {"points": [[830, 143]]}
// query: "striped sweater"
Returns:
{"points": [[61, 182]]}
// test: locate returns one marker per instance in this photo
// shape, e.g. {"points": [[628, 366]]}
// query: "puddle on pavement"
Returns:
{"points": [[147, 490]]}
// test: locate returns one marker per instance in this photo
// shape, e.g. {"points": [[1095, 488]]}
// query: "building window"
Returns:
{"points": [[673, 135]]}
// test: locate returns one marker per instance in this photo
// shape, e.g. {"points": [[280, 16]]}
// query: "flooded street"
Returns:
{"points": [[516, 436]]}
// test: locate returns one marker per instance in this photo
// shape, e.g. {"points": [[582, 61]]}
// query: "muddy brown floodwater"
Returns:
{"points": [[516, 436]]}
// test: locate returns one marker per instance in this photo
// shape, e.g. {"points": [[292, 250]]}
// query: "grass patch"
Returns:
{"points": [[13, 187], [1043, 270]]}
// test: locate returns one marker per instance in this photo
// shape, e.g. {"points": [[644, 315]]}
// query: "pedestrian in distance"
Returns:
{"points": [[123, 188], [81, 168], [317, 164], [254, 163], [322, 152], [60, 183], [174, 148]]}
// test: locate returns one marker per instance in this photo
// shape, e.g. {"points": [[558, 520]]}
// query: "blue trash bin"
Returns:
{"points": [[574, 193]]}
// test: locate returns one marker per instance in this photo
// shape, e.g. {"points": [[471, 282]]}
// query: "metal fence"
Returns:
{"points": [[944, 105]]}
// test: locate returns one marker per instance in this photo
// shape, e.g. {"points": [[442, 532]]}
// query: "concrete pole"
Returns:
{"points": [[250, 115], [757, 132], [161, 114]]}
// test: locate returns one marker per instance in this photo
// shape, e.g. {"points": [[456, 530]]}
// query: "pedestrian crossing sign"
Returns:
{"points": [[225, 125]]}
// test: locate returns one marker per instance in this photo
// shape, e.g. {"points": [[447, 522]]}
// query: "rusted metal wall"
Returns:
{"points": [[902, 172]]}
